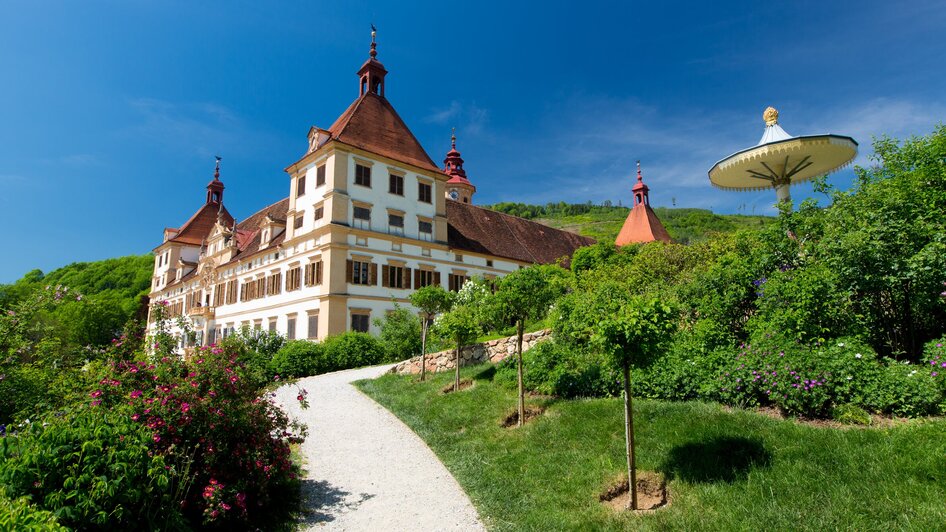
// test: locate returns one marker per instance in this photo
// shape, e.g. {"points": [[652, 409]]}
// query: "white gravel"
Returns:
{"points": [[365, 469]]}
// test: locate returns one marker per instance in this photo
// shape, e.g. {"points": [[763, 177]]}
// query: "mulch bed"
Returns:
{"points": [[651, 493], [512, 420], [464, 385]]}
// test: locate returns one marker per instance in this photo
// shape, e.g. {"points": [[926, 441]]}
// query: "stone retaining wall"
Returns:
{"points": [[491, 351]]}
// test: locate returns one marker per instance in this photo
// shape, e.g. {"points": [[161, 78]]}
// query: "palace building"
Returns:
{"points": [[369, 218]]}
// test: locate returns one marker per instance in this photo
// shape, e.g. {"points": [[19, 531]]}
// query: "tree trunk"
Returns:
{"points": [[629, 438], [522, 395], [456, 377], [423, 350]]}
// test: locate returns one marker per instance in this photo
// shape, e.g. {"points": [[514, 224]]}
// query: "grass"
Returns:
{"points": [[727, 470]]}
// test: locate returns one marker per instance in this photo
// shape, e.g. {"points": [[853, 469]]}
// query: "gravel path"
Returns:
{"points": [[366, 469]]}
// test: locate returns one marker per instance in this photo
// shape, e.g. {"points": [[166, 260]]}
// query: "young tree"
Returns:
{"points": [[526, 295], [461, 325], [634, 335], [431, 300]]}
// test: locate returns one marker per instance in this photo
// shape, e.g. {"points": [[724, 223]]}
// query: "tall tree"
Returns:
{"points": [[431, 300], [633, 336], [526, 295]]}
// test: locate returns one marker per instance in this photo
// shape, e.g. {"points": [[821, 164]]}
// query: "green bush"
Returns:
{"points": [[93, 467], [552, 368], [400, 334], [352, 350], [299, 358], [21, 514]]}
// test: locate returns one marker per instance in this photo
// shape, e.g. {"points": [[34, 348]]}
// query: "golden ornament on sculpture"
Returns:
{"points": [[770, 115]]}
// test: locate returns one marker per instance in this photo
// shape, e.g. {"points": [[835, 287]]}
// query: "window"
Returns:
{"points": [[272, 324], [456, 282], [362, 216], [425, 230], [219, 294], [300, 186], [293, 281], [313, 273], [291, 327], [458, 257], [231, 292], [360, 272], [396, 184], [258, 325], [319, 212], [273, 284], [313, 330], [320, 176], [396, 224], [297, 222], [395, 277], [424, 278], [359, 322], [424, 192], [489, 263], [363, 175]]}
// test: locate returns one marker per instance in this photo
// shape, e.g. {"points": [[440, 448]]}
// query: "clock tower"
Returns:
{"points": [[458, 187]]}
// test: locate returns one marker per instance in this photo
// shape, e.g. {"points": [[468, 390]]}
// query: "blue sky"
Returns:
{"points": [[111, 112]]}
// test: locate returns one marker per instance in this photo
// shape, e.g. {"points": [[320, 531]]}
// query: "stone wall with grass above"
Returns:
{"points": [[491, 351]]}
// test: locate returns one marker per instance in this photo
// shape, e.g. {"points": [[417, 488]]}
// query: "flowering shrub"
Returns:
{"points": [[207, 409]]}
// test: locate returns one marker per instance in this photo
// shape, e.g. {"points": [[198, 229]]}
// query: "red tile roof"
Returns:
{"points": [[200, 224], [642, 225], [372, 124], [479, 230], [248, 231]]}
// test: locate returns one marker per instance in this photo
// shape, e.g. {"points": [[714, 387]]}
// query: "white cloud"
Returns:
{"points": [[468, 118]]}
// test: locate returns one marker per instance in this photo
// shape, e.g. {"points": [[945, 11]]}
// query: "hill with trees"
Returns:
{"points": [[603, 222]]}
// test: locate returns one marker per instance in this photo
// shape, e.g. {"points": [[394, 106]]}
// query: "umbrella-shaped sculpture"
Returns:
{"points": [[779, 160]]}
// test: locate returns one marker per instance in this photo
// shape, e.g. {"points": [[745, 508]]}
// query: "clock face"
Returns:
{"points": [[454, 195]]}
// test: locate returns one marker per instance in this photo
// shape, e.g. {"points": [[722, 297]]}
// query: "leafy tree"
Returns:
{"points": [[400, 333], [526, 294], [431, 300], [632, 337], [461, 325]]}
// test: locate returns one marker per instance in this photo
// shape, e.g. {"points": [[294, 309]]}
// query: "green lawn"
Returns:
{"points": [[727, 470]]}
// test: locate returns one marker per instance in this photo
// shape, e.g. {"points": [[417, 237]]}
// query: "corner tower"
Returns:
{"points": [[459, 187], [642, 224]]}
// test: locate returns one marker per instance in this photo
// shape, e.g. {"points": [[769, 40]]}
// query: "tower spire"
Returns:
{"points": [[640, 190], [459, 187], [371, 74], [215, 187]]}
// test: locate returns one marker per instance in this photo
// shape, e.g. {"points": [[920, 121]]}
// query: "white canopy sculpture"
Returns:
{"points": [[780, 160]]}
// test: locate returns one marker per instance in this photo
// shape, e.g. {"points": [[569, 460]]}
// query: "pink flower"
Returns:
{"points": [[136, 394], [234, 378], [156, 437], [185, 407], [96, 393]]}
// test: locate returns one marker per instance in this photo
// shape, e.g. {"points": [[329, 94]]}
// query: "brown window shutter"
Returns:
{"points": [[373, 274], [308, 275], [437, 278], [348, 272], [407, 278], [318, 272], [385, 275], [416, 278]]}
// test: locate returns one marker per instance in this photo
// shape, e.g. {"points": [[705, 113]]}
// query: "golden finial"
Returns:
{"points": [[453, 136], [770, 116]]}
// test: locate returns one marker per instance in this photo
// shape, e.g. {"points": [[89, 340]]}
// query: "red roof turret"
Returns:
{"points": [[642, 224], [215, 187]]}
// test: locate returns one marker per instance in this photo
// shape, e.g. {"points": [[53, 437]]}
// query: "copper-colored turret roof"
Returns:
{"points": [[642, 225]]}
